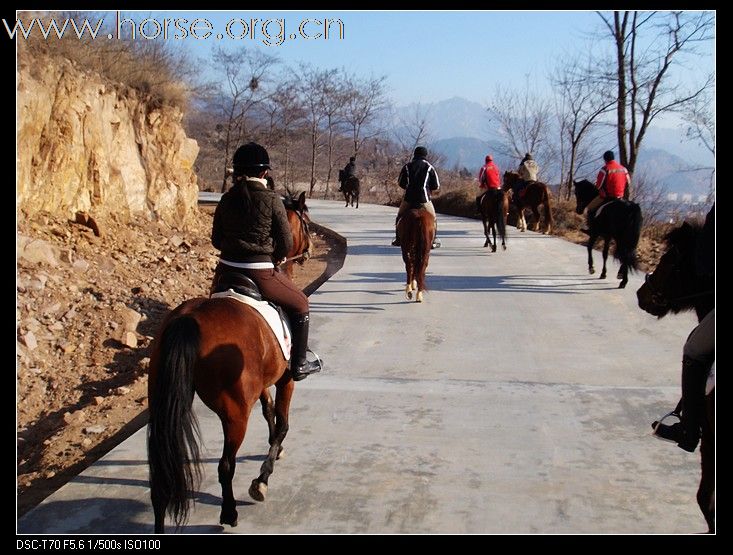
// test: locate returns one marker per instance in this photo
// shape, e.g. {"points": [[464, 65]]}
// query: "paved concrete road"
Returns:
{"points": [[516, 399]]}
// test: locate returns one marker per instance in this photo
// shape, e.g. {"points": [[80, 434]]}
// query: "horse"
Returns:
{"points": [[494, 209], [619, 220], [534, 194], [674, 286], [416, 229], [299, 225], [224, 351], [350, 187]]}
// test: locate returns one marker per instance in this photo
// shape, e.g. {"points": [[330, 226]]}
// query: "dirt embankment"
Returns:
{"points": [[88, 307]]}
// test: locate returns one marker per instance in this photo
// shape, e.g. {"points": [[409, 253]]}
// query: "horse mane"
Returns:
{"points": [[291, 203], [682, 235]]}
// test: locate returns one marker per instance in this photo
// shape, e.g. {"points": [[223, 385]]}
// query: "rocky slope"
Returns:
{"points": [[85, 143]]}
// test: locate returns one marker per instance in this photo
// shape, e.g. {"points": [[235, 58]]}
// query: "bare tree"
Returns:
{"points": [[365, 100], [523, 119], [580, 104], [413, 130], [243, 72], [699, 120], [333, 100], [647, 44], [285, 111]]}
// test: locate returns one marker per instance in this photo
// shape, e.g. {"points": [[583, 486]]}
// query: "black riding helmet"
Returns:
{"points": [[250, 157]]}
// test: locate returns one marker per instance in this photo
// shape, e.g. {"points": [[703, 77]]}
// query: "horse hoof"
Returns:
{"points": [[503, 247], [602, 276], [258, 490], [230, 519], [622, 285], [409, 294], [591, 271], [419, 297], [280, 454]]}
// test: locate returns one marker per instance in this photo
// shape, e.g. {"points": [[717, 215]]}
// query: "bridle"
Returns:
{"points": [[660, 299], [304, 230]]}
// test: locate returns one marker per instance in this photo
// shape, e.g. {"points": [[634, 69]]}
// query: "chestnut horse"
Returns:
{"points": [[619, 220], [223, 350], [299, 220], [494, 209], [416, 229], [534, 194], [674, 286]]}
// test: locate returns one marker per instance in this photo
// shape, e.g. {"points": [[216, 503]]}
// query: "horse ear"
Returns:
{"points": [[301, 201]]}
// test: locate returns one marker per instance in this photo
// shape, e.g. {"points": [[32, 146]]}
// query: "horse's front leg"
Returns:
{"points": [[493, 232], [285, 386], [268, 411], [606, 245], [486, 232]]}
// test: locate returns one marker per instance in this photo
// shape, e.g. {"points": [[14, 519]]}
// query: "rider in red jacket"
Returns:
{"points": [[488, 179], [611, 183]]}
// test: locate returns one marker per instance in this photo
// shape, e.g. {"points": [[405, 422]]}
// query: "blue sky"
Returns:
{"points": [[426, 56]]}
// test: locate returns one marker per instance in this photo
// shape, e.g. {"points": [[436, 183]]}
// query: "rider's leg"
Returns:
{"points": [[403, 206], [275, 286], [430, 208], [591, 208], [698, 356]]}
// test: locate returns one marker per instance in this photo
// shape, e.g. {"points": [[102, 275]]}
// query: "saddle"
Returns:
{"points": [[241, 288], [611, 201]]}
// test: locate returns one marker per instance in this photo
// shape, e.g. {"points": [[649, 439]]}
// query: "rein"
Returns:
{"points": [[305, 255]]}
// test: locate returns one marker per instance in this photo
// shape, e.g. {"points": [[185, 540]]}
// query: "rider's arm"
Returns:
{"points": [[216, 232], [404, 179]]}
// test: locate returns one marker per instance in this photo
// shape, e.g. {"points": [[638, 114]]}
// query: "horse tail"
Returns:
{"points": [[500, 216], [548, 209], [423, 244], [629, 237], [173, 451]]}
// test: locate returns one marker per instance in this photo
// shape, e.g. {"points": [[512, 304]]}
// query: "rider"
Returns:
{"points": [[528, 168], [251, 230], [418, 177], [488, 179], [348, 171], [698, 355], [612, 183]]}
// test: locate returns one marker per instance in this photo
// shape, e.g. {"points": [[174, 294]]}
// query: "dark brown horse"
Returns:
{"points": [[350, 187], [224, 351], [532, 196], [299, 225], [675, 286], [494, 210], [617, 220], [416, 229]]}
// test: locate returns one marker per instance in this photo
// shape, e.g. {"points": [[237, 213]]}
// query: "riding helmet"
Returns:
{"points": [[421, 152], [608, 155], [250, 156]]}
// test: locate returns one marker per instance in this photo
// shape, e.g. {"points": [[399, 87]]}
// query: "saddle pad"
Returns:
{"points": [[278, 326]]}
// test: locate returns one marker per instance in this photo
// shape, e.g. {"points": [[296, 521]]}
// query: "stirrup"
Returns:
{"points": [[297, 376], [657, 423], [396, 243], [436, 244]]}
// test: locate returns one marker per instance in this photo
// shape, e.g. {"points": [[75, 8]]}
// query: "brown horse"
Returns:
{"points": [[299, 220], [532, 196], [674, 286], [416, 229], [494, 210], [223, 350], [350, 188]]}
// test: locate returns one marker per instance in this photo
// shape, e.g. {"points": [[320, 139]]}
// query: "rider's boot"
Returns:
{"points": [[300, 367], [686, 432]]}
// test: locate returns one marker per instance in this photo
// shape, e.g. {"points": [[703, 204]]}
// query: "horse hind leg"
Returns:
{"points": [[234, 427], [606, 245], [268, 411], [258, 488]]}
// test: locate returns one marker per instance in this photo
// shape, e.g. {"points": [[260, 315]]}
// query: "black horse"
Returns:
{"points": [[675, 286], [350, 188], [619, 220]]}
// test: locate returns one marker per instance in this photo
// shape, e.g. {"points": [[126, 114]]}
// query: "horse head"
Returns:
{"points": [[299, 221], [585, 191], [510, 178], [674, 285]]}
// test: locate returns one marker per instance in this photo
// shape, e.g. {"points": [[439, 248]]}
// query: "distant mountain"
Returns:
{"points": [[455, 117], [672, 172]]}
